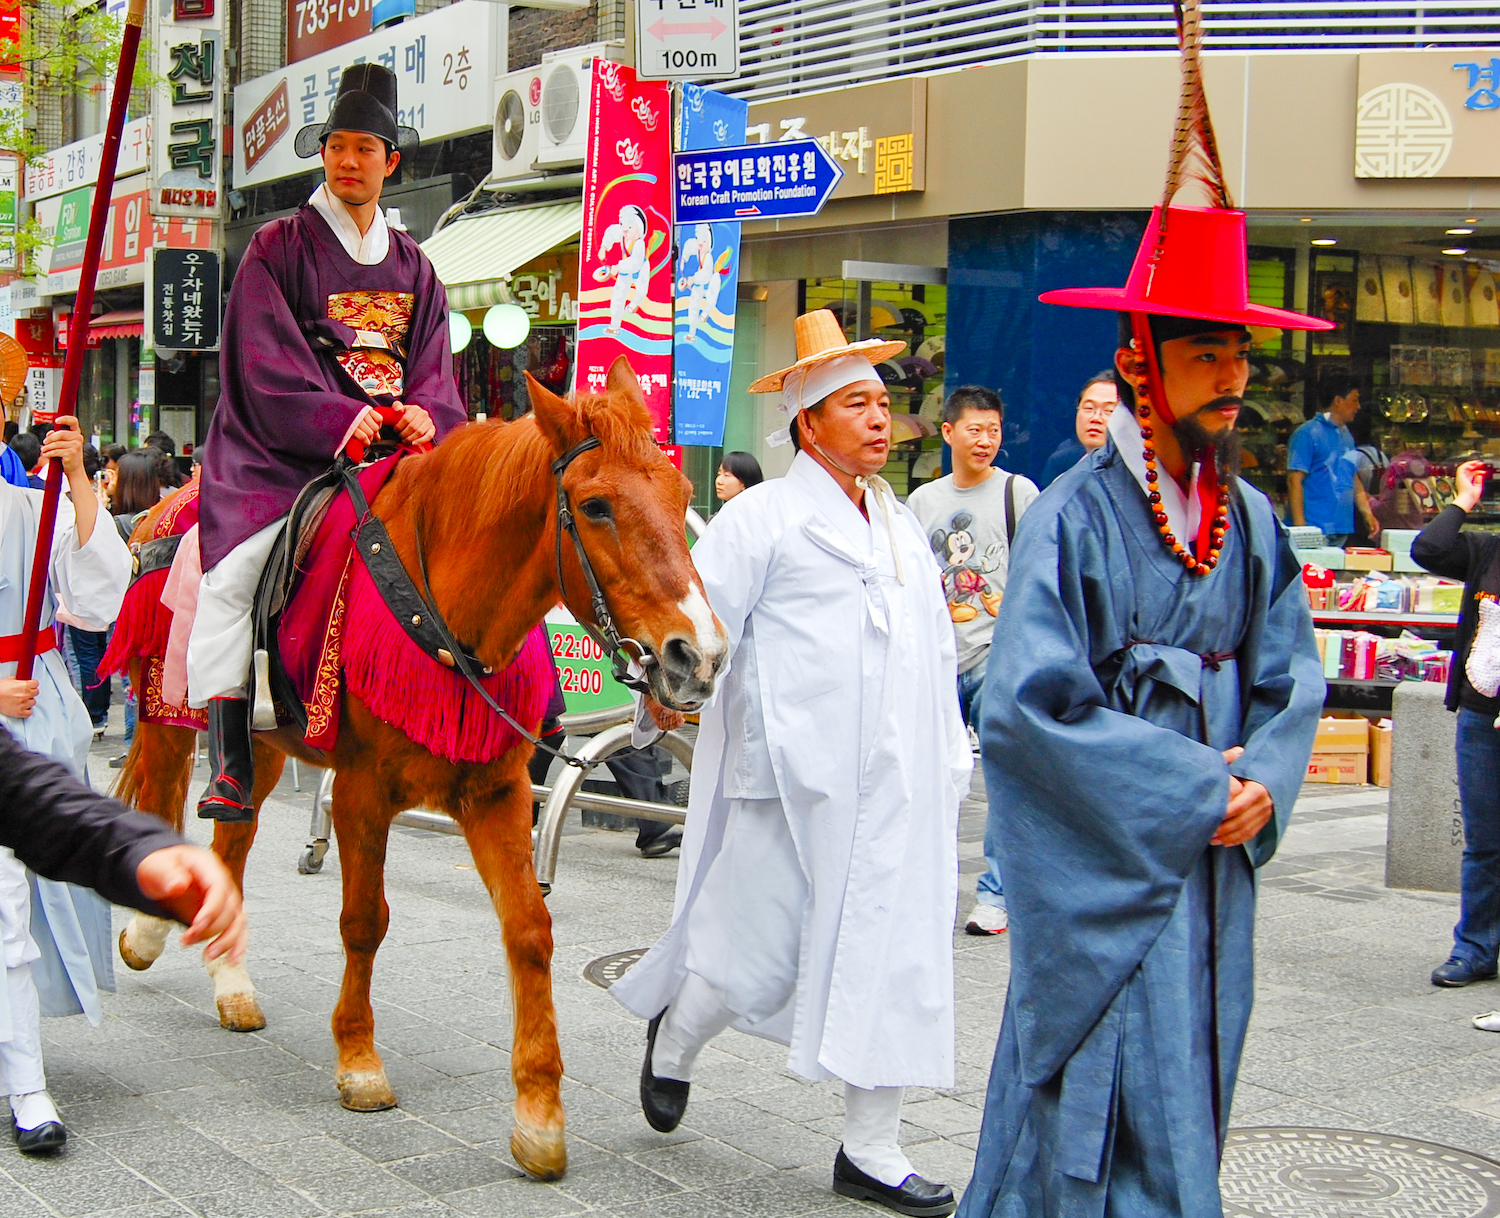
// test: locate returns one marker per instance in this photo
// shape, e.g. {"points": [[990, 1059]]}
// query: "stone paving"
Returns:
{"points": [[170, 1115]]}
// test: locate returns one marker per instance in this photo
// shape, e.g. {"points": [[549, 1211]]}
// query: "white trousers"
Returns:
{"points": [[872, 1117], [21, 1051], [218, 654], [744, 936]]}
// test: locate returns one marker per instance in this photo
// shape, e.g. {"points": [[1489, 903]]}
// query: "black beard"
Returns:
{"points": [[1198, 442]]}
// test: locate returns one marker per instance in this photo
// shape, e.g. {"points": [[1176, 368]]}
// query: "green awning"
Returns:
{"points": [[474, 257]]}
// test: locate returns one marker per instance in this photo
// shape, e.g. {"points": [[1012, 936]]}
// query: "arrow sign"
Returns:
{"points": [[753, 182], [687, 39], [713, 27]]}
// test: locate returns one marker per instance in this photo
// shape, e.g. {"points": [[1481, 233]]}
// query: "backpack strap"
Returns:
{"points": [[1010, 509]]}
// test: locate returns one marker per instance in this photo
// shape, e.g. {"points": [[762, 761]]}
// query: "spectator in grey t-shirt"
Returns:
{"points": [[970, 517]]}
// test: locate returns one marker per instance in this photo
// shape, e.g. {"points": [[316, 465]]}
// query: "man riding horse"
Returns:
{"points": [[332, 314]]}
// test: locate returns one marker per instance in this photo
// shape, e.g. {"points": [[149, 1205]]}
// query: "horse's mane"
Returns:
{"points": [[485, 470]]}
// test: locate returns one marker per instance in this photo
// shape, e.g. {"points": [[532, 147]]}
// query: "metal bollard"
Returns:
{"points": [[565, 792]]}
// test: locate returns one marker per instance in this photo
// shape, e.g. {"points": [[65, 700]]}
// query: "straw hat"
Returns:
{"points": [[820, 338]]}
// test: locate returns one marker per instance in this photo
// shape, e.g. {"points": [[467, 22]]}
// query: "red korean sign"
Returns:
{"points": [[266, 125], [625, 298], [315, 26]]}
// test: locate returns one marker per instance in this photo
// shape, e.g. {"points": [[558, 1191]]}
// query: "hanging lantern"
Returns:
{"points": [[460, 331], [506, 326]]}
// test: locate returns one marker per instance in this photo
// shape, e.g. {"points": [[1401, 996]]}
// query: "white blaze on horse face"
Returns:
{"points": [[709, 636]]}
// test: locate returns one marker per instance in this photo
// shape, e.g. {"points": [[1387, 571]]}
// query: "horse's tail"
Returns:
{"points": [[155, 774], [127, 785]]}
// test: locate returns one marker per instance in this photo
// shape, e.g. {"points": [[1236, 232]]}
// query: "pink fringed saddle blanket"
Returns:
{"points": [[145, 624], [337, 630]]}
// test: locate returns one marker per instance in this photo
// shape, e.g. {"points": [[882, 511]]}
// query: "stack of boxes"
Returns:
{"points": [[1398, 543], [1351, 751], [1313, 549]]}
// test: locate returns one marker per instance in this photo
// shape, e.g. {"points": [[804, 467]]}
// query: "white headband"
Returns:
{"points": [[803, 387]]}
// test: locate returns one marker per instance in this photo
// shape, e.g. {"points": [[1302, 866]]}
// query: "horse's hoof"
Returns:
{"points": [[240, 1013], [365, 1091], [541, 1153], [139, 963]]}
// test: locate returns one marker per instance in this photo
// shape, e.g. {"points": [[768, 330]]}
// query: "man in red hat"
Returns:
{"points": [[332, 313], [1152, 698]]}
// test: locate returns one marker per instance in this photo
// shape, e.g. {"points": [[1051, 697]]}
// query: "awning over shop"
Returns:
{"points": [[474, 258], [123, 323]]}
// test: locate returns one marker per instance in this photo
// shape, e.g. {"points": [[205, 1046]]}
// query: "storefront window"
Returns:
{"points": [[1419, 334], [917, 314]]}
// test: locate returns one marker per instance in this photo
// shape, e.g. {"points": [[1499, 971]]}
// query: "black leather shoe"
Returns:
{"points": [[914, 1195], [231, 764], [1455, 973], [47, 1138], [663, 1100], [662, 844]]}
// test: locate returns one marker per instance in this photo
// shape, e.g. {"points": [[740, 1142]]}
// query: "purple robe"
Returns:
{"points": [[285, 365]]}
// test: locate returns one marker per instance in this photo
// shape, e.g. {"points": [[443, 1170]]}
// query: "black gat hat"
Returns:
{"points": [[366, 102]]}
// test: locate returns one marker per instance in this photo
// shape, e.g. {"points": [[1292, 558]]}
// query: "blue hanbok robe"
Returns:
{"points": [[1116, 679], [65, 934]]}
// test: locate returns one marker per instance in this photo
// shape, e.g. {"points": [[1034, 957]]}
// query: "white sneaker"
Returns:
{"points": [[988, 920], [1488, 1022], [974, 742]]}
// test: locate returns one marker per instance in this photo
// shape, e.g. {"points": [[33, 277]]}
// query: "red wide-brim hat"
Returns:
{"points": [[1198, 269]]}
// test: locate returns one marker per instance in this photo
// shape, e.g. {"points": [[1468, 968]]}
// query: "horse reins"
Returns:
{"points": [[390, 577], [610, 641]]}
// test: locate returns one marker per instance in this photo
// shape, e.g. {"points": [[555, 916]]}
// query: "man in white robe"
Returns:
{"points": [[816, 892], [90, 569]]}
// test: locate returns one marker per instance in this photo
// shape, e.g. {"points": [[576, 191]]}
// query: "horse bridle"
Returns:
{"points": [[603, 631], [429, 631]]}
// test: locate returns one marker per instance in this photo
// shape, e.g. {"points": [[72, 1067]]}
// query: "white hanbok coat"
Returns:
{"points": [[841, 702], [65, 932]]}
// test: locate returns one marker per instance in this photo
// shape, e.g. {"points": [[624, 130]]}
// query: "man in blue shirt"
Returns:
{"points": [[1322, 467]]}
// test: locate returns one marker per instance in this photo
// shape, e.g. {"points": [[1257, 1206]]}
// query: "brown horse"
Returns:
{"points": [[486, 500]]}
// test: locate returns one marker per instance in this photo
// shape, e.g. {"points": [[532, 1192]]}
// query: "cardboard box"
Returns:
{"points": [[1398, 541], [1380, 752], [1330, 558], [1357, 559], [1406, 563], [1342, 735], [1342, 768]]}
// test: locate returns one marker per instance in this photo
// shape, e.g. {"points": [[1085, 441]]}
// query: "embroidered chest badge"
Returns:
{"points": [[381, 321]]}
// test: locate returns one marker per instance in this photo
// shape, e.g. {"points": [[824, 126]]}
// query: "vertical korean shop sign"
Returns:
{"points": [[186, 156], [10, 188], [185, 299], [625, 268], [708, 271]]}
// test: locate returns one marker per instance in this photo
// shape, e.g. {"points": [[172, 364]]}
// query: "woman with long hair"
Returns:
{"points": [[137, 489]]}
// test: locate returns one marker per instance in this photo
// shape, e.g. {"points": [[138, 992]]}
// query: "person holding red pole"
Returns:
{"points": [[90, 567], [331, 314]]}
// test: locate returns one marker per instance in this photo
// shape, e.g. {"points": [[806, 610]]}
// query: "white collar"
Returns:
{"points": [[367, 250], [1184, 513]]}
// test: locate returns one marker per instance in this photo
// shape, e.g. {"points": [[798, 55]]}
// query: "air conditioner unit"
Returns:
{"points": [[518, 121], [566, 77]]}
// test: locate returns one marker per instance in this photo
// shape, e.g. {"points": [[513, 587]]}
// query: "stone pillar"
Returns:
{"points": [[1425, 836]]}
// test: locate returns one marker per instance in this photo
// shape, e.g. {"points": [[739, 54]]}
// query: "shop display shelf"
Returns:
{"points": [[1433, 621]]}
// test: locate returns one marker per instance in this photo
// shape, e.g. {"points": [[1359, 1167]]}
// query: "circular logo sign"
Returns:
{"points": [[1401, 131]]}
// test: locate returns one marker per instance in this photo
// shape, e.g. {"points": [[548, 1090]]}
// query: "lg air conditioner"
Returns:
{"points": [[566, 80], [518, 121]]}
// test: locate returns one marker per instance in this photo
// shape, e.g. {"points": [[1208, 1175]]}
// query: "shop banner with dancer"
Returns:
{"points": [[625, 270], [708, 272]]}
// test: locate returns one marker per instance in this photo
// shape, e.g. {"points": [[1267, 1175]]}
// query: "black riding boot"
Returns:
{"points": [[231, 763]]}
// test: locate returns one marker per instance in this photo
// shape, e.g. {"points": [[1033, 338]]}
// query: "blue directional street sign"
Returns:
{"points": [[754, 182]]}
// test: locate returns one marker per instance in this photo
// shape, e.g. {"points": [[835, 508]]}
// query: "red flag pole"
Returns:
{"points": [[78, 333]]}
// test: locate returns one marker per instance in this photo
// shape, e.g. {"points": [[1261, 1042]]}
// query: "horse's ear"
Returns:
{"points": [[557, 420], [622, 380]]}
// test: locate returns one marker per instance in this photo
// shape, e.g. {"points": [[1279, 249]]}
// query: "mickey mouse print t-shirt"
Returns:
{"points": [[966, 527]]}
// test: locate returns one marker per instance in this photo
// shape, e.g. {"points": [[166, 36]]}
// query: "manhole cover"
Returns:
{"points": [[606, 970], [1342, 1173]]}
